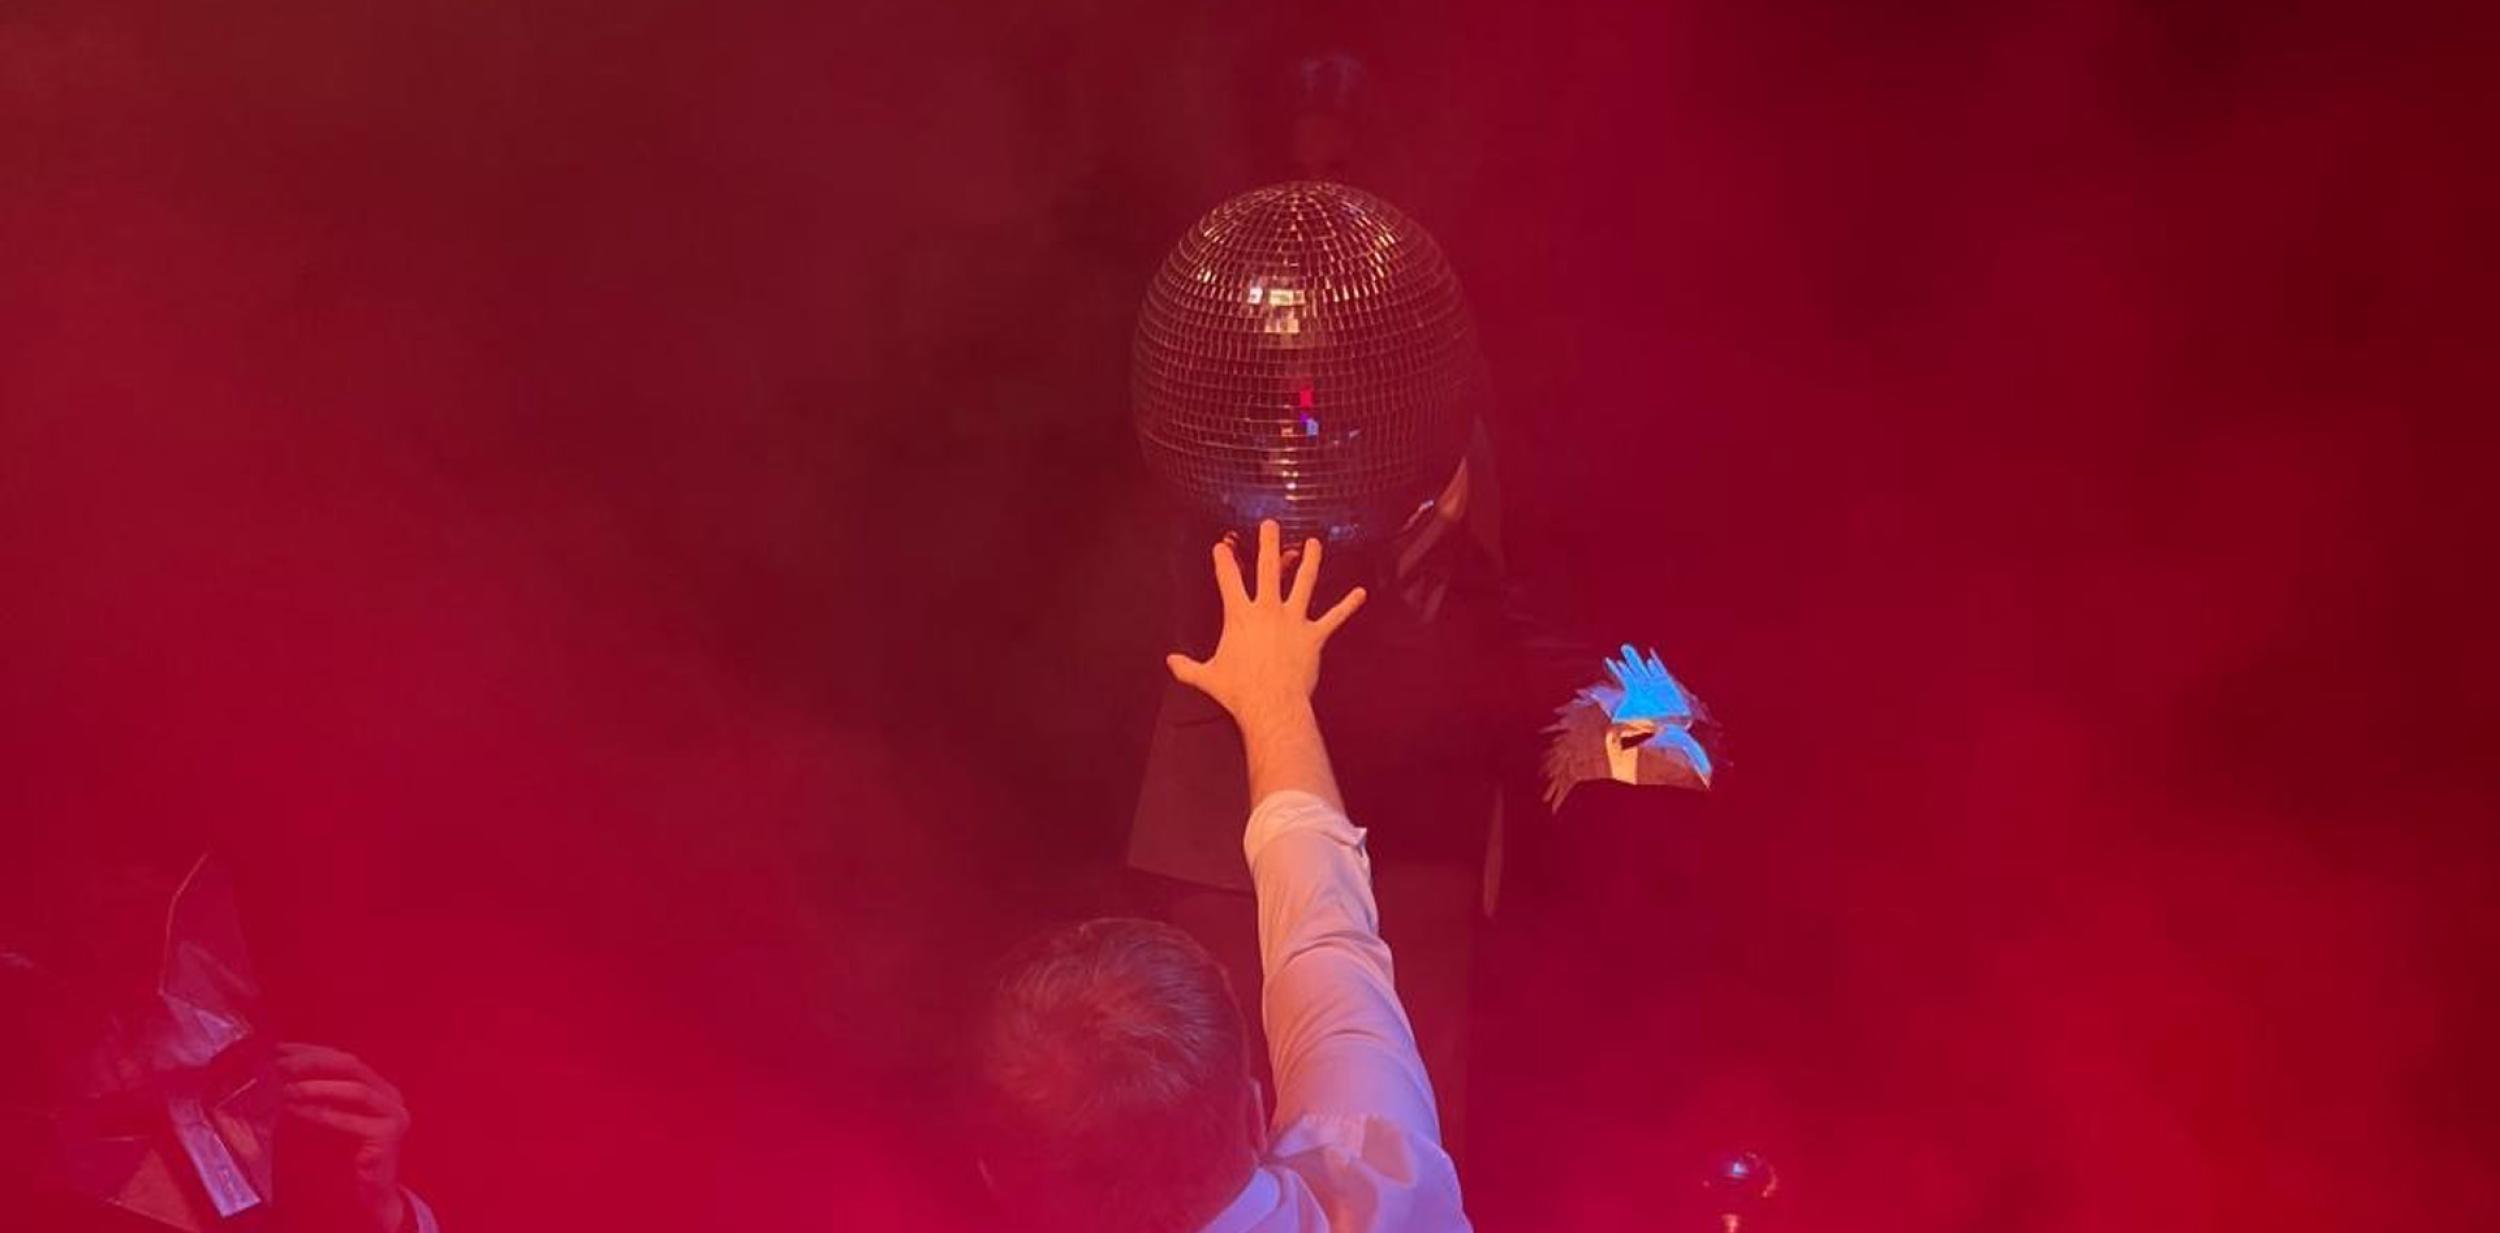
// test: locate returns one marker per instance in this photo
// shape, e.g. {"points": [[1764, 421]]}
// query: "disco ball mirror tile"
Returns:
{"points": [[1305, 354]]}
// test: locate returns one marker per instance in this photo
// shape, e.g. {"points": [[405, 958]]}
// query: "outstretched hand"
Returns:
{"points": [[1267, 662]]}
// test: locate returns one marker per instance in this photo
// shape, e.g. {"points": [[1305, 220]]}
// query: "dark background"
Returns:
{"points": [[621, 517]]}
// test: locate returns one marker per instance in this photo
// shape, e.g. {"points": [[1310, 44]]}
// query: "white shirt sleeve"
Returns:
{"points": [[1351, 1092], [419, 1214]]}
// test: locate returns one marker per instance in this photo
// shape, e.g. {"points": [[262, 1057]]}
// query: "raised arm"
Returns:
{"points": [[1267, 663], [1339, 1041]]}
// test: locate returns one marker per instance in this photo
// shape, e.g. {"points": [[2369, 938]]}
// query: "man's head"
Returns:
{"points": [[1114, 1082]]}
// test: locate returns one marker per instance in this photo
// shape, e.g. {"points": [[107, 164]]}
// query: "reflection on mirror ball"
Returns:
{"points": [[1305, 354]]}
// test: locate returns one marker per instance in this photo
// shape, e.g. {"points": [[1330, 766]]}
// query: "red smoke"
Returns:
{"points": [[621, 516]]}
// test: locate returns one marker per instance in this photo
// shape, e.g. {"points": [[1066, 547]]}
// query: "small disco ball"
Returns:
{"points": [[1306, 355]]}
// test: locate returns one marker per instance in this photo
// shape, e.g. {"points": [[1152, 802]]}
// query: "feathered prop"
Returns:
{"points": [[1640, 729]]}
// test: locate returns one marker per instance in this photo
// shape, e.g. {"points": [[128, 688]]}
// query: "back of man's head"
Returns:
{"points": [[1114, 1085]]}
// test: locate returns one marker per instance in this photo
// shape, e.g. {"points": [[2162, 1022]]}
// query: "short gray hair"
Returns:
{"points": [[1113, 1072]]}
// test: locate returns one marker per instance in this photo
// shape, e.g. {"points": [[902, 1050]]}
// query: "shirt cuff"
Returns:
{"points": [[1283, 813]]}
